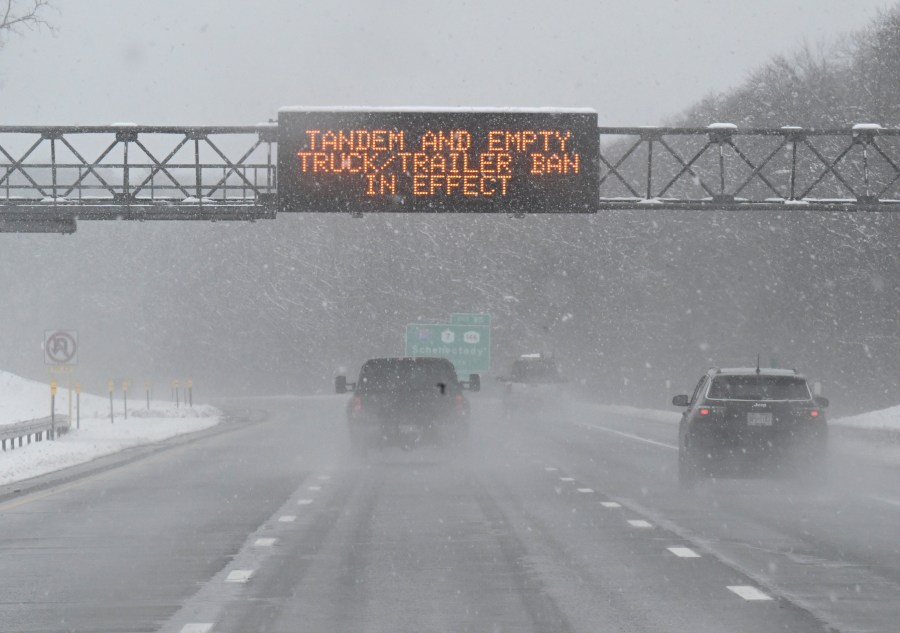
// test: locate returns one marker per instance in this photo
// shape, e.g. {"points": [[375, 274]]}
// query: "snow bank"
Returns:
{"points": [[22, 399], [882, 420]]}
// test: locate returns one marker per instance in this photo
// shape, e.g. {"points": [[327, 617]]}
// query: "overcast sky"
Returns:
{"points": [[637, 62]]}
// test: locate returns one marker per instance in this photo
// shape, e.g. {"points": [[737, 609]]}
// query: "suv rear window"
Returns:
{"points": [[415, 374], [758, 388], [535, 370]]}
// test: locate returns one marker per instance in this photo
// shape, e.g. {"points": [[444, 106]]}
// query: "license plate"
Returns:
{"points": [[759, 419]]}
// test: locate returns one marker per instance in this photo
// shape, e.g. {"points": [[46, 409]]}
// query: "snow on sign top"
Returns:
{"points": [[424, 160], [434, 109]]}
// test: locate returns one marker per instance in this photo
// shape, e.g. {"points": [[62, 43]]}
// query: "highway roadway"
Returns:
{"points": [[563, 520]]}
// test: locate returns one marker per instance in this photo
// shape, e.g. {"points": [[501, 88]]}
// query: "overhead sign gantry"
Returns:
{"points": [[498, 161]]}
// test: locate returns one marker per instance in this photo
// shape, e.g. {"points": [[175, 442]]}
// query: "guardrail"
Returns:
{"points": [[32, 430]]}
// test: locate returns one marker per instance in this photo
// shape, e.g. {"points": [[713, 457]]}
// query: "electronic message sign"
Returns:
{"points": [[427, 161]]}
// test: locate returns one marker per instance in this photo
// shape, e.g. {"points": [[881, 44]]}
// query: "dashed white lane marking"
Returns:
{"points": [[749, 593], [304, 502], [684, 552], [597, 427], [287, 518], [551, 469], [880, 499], [314, 488], [639, 523], [197, 627], [239, 575], [610, 504], [586, 491], [566, 479], [265, 542]]}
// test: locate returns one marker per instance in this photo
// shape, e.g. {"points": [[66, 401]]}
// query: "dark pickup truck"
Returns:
{"points": [[407, 402]]}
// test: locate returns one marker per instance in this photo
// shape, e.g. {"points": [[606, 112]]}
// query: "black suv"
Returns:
{"points": [[746, 422], [406, 402]]}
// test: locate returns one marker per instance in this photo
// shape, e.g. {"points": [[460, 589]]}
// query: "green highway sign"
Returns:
{"points": [[468, 347], [470, 319]]}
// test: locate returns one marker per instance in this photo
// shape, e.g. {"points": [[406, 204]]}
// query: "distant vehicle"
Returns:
{"points": [[407, 402], [533, 383], [750, 422]]}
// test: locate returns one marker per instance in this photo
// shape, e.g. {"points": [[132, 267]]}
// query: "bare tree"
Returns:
{"points": [[16, 15]]}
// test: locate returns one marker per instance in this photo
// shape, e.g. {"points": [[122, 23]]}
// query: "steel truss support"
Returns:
{"points": [[723, 168], [50, 177]]}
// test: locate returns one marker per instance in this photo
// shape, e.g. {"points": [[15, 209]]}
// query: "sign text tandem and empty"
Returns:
{"points": [[448, 161]]}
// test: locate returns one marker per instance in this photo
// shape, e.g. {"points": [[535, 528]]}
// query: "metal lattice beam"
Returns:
{"points": [[52, 176], [721, 167]]}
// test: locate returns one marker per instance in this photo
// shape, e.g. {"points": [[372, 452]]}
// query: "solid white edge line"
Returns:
{"points": [[265, 542], [885, 500], [287, 518], [197, 627], [748, 592], [597, 427], [639, 523], [239, 575], [683, 552]]}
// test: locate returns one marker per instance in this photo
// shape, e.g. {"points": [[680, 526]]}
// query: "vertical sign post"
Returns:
{"points": [[125, 398], [177, 396], [53, 410], [190, 392], [111, 387], [147, 389], [77, 405]]}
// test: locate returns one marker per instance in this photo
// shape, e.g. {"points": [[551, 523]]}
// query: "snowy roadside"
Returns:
{"points": [[882, 424], [22, 399]]}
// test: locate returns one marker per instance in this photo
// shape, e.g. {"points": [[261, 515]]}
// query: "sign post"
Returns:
{"points": [[77, 405], [125, 398], [53, 410], [111, 387]]}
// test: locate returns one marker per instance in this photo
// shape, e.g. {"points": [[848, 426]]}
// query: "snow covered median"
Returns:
{"points": [[22, 399]]}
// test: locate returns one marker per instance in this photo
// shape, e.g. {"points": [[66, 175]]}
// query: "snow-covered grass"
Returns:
{"points": [[882, 420], [22, 399]]}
